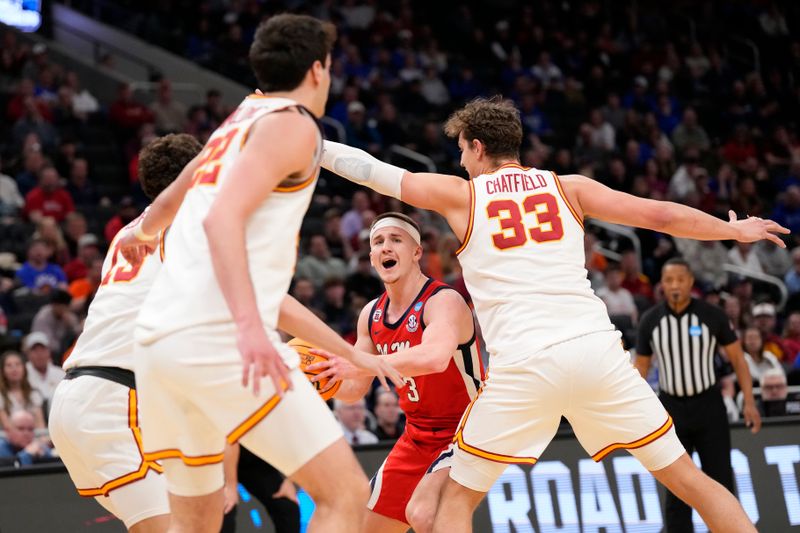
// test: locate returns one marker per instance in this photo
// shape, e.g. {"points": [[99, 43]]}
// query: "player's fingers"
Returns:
{"points": [[383, 381], [258, 372], [324, 353], [731, 215], [394, 375], [245, 373], [774, 227], [285, 376], [319, 367], [777, 240], [327, 374], [331, 383]]}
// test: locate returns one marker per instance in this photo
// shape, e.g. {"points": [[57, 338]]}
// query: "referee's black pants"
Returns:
{"points": [[262, 480], [701, 423]]}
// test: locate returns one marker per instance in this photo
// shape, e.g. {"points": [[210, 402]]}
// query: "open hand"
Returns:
{"points": [[260, 358], [753, 229]]}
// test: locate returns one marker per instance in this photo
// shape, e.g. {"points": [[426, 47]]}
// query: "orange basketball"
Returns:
{"points": [[307, 359]]}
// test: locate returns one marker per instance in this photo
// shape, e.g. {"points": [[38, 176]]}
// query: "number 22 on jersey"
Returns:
{"points": [[513, 233]]}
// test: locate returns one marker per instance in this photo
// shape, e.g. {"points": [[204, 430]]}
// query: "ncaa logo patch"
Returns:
{"points": [[377, 315], [695, 331], [412, 325], [418, 306]]}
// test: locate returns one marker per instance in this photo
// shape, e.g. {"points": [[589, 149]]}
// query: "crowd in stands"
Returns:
{"points": [[664, 104]]}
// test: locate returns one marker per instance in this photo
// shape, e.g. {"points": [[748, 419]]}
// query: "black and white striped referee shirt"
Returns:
{"points": [[685, 345]]}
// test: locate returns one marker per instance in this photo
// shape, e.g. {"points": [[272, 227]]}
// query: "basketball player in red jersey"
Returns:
{"points": [[425, 329], [553, 349]]}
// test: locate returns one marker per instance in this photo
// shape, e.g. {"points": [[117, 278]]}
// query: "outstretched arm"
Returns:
{"points": [[593, 199], [448, 323], [298, 321], [447, 195]]}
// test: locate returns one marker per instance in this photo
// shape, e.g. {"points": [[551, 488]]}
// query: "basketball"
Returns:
{"points": [[307, 359]]}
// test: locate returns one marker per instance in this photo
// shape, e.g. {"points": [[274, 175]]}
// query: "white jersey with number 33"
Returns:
{"points": [[186, 293], [523, 263]]}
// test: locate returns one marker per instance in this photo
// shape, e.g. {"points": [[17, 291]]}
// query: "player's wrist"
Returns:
{"points": [[141, 234]]}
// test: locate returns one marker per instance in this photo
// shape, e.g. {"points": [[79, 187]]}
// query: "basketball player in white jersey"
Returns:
{"points": [[208, 327], [94, 416], [552, 348]]}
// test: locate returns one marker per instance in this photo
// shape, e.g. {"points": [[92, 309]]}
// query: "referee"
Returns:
{"points": [[684, 334]]}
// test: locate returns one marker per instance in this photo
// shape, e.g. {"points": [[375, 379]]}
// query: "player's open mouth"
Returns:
{"points": [[388, 263]]}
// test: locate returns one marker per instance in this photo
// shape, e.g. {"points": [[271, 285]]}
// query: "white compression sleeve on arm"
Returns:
{"points": [[360, 167]]}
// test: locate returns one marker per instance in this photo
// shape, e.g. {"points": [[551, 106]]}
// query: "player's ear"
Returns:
{"points": [[317, 71]]}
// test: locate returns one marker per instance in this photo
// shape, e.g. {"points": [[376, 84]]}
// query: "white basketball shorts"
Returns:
{"points": [[589, 380], [94, 425]]}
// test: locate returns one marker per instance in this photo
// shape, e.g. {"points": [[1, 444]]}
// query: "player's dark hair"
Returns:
{"points": [[493, 121], [285, 47], [395, 214], [679, 261], [162, 160]]}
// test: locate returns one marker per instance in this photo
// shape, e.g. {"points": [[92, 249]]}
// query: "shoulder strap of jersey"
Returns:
{"points": [[380, 302]]}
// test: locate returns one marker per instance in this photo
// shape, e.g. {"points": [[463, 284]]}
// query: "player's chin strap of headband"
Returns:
{"points": [[393, 222], [360, 167]]}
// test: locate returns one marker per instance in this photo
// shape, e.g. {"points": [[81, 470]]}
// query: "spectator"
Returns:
{"points": [[169, 114], [319, 265], [758, 359], [707, 258], [83, 102], [49, 199], [352, 418], [764, 318], [546, 72], [617, 298], [774, 393], [88, 251], [775, 260], [740, 147], [37, 273], [388, 425], [16, 393], [352, 220], [689, 133], [57, 322], [80, 187], [433, 88], [43, 375], [743, 255], [337, 244], [33, 162], [127, 114], [360, 132], [334, 308], [304, 292], [126, 213], [48, 230], [10, 198], [635, 282], [683, 181], [83, 289], [602, 134], [16, 108], [363, 281], [32, 121], [75, 227], [791, 339], [213, 107], [787, 210], [20, 443]]}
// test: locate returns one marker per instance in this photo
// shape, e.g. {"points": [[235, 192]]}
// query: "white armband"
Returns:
{"points": [[360, 167]]}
